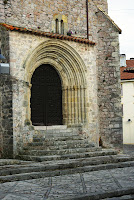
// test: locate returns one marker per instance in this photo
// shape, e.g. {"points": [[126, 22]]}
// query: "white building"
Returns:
{"points": [[127, 85]]}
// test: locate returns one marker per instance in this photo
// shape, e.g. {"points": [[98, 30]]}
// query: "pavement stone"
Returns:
{"points": [[70, 186]]}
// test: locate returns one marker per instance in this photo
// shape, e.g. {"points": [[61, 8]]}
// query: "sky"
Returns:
{"points": [[122, 12]]}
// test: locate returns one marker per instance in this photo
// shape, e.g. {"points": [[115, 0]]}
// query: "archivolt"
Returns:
{"points": [[71, 69], [62, 55]]}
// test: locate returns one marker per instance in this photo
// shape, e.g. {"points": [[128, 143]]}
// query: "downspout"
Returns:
{"points": [[87, 19]]}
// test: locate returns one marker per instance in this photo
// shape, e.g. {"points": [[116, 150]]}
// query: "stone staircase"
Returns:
{"points": [[57, 145], [59, 152]]}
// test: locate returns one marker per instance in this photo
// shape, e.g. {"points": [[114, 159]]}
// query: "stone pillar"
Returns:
{"points": [[79, 106], [72, 104], [69, 105], [82, 105], [64, 105], [85, 109], [28, 102], [76, 105]]}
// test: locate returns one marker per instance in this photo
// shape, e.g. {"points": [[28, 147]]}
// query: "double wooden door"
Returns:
{"points": [[46, 97]]}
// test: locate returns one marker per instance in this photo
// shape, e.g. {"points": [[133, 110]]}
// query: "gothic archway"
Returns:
{"points": [[46, 97]]}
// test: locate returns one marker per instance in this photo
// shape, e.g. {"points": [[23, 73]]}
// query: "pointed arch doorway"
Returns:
{"points": [[46, 97]]}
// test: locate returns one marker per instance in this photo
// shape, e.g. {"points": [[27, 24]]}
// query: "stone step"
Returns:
{"points": [[37, 157], [58, 127], [62, 131], [53, 165], [40, 171], [57, 143], [61, 138], [41, 151], [76, 162], [58, 147], [61, 134], [8, 162], [53, 135], [56, 132]]}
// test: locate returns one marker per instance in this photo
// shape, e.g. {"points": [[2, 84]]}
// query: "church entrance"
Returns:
{"points": [[46, 97]]}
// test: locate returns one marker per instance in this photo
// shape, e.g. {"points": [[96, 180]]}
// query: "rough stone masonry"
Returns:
{"points": [[35, 33]]}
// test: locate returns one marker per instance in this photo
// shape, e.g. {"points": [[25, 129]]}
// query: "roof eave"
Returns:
{"points": [[109, 18], [127, 80], [48, 34]]}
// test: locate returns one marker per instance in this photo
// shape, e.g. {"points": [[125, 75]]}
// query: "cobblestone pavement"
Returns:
{"points": [[69, 186]]}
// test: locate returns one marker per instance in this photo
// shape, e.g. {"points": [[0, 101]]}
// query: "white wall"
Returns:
{"points": [[128, 112]]}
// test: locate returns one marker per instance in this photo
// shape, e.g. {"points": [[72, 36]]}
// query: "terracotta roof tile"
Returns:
{"points": [[48, 34], [130, 63], [127, 73]]}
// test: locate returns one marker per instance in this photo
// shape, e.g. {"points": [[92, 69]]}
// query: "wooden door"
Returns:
{"points": [[46, 97]]}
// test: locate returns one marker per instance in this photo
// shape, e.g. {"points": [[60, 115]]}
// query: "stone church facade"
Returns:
{"points": [[58, 79]]}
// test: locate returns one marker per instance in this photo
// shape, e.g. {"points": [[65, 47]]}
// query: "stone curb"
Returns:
{"points": [[98, 196]]}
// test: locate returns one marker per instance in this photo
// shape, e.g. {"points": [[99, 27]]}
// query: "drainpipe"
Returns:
{"points": [[87, 19]]}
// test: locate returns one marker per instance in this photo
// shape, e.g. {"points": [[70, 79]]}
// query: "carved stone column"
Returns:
{"points": [[64, 105]]}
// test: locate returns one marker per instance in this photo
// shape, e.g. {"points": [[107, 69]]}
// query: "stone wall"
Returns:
{"points": [[41, 14], [102, 4], [100, 65], [22, 47], [6, 117], [2, 11], [109, 92], [4, 43]]}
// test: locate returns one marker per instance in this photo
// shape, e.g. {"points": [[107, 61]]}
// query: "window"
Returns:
{"points": [[57, 25], [62, 27], [60, 24]]}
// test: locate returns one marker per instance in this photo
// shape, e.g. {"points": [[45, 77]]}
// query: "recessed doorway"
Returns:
{"points": [[46, 97]]}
